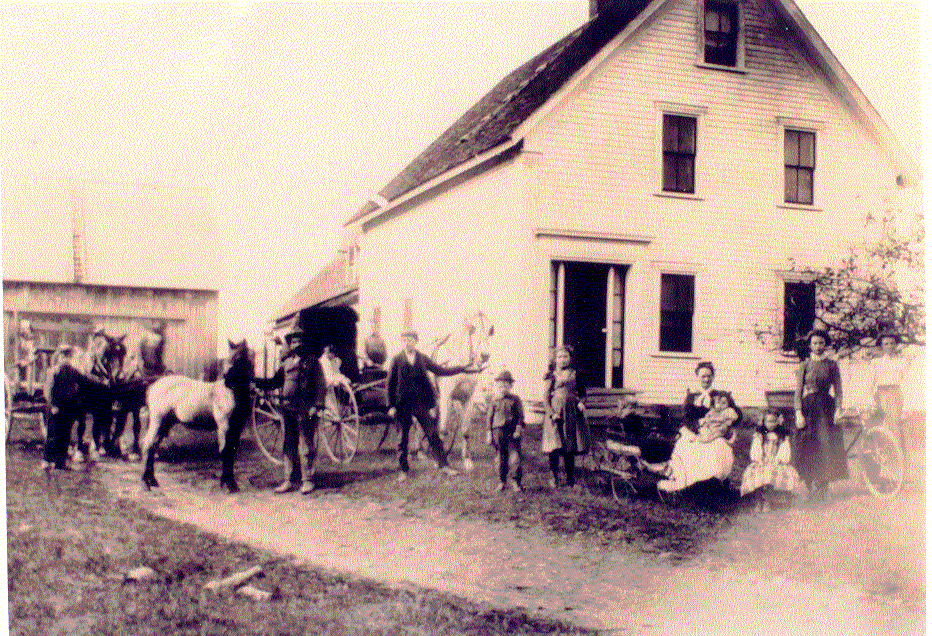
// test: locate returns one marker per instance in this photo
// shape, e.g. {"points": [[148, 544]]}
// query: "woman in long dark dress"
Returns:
{"points": [[820, 449]]}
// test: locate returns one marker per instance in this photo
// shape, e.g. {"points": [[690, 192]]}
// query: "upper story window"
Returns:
{"points": [[721, 29], [677, 306], [679, 153], [798, 166]]}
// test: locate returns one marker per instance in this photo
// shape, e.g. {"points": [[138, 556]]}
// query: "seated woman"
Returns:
{"points": [[703, 449]]}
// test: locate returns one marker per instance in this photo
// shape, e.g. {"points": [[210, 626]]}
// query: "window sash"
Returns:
{"points": [[799, 301], [799, 166], [677, 307], [721, 33], [679, 153]]}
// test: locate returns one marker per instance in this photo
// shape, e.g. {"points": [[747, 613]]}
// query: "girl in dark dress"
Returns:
{"points": [[564, 431], [820, 451]]}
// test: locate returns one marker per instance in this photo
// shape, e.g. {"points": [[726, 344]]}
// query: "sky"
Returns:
{"points": [[291, 115]]}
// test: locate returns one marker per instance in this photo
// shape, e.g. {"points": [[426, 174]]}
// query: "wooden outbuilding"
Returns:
{"points": [[123, 257]]}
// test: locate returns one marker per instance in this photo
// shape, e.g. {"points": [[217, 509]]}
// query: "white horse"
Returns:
{"points": [[463, 398], [224, 404]]}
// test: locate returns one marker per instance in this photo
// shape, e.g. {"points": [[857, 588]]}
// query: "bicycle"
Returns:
{"points": [[876, 450]]}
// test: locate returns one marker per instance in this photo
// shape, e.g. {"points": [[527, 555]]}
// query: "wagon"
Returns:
{"points": [[620, 441], [348, 406], [23, 394]]}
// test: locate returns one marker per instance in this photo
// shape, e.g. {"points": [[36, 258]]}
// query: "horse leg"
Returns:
{"points": [[159, 423], [228, 450], [81, 447], [101, 427], [137, 427], [119, 425]]}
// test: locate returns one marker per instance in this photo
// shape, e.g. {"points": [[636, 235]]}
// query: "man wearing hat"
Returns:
{"points": [[506, 423], [301, 380], [411, 394]]}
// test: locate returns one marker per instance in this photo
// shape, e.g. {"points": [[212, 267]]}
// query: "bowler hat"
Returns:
{"points": [[409, 333], [505, 376]]}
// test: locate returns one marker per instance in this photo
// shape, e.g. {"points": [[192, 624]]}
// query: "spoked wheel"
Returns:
{"points": [[7, 407], [881, 463], [268, 428], [339, 424]]}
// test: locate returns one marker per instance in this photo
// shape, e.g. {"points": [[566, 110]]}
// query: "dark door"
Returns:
{"points": [[584, 318]]}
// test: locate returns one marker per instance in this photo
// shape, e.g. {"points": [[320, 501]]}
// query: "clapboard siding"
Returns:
{"points": [[597, 168]]}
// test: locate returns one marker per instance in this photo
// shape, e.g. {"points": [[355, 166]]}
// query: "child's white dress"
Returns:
{"points": [[770, 465]]}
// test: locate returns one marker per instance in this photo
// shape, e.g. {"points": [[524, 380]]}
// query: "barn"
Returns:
{"points": [[79, 255]]}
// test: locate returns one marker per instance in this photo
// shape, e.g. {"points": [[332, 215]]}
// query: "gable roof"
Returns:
{"points": [[493, 119], [327, 288]]}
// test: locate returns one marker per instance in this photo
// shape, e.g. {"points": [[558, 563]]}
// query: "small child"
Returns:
{"points": [[719, 420], [770, 475], [506, 423]]}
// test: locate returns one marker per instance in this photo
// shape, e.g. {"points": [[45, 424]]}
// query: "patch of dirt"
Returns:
{"points": [[852, 566]]}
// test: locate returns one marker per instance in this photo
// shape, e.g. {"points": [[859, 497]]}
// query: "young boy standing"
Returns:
{"points": [[506, 423]]}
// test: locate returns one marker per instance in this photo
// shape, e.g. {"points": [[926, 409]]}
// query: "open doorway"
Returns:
{"points": [[588, 314]]}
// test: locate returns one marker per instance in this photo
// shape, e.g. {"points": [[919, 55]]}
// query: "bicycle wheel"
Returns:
{"points": [[881, 463], [339, 425], [268, 429]]}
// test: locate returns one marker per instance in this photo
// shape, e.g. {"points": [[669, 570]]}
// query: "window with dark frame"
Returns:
{"points": [[799, 305], [677, 294], [679, 153], [799, 166], [721, 33]]}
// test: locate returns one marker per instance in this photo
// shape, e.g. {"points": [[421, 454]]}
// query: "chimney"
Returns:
{"points": [[600, 6], [78, 249]]}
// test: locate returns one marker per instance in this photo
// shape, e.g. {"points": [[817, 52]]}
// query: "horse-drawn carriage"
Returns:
{"points": [[351, 405]]}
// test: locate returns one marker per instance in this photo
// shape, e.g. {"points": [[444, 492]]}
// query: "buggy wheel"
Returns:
{"points": [[339, 424], [881, 463], [268, 429], [7, 407], [620, 486]]}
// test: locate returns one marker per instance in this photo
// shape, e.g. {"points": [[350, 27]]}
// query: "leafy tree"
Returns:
{"points": [[878, 287]]}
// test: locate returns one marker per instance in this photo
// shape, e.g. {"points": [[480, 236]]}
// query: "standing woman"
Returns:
{"points": [[820, 450], [564, 428], [887, 374]]}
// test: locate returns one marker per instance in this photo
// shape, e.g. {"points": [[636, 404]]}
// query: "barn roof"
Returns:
{"points": [[493, 119], [131, 235], [328, 287]]}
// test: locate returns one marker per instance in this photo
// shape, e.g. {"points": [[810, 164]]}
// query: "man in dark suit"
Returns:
{"points": [[411, 394], [301, 379]]}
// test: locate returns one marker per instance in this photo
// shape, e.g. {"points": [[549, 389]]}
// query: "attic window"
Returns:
{"points": [[720, 34]]}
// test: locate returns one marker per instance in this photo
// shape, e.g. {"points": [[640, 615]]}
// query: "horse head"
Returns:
{"points": [[239, 367], [480, 336], [107, 355]]}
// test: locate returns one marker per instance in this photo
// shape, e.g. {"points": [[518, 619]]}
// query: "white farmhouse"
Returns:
{"points": [[639, 190]]}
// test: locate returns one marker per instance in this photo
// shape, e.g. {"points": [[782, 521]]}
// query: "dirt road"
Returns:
{"points": [[851, 567]]}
